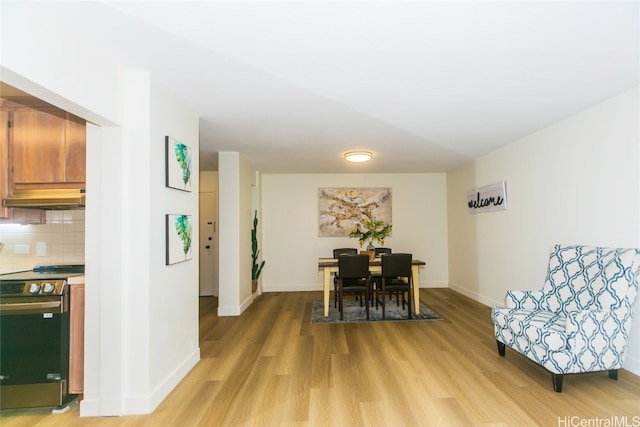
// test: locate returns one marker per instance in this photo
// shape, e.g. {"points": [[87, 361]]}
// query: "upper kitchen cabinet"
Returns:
{"points": [[12, 215], [47, 149]]}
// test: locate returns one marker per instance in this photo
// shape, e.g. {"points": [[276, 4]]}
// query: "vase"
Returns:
{"points": [[372, 254]]}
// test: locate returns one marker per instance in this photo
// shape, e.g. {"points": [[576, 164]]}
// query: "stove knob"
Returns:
{"points": [[34, 288], [48, 288]]}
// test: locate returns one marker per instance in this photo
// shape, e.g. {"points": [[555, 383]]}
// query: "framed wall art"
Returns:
{"points": [[343, 209], [179, 234], [489, 198], [178, 164]]}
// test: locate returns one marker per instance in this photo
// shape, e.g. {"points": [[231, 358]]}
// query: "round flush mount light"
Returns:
{"points": [[358, 156]]}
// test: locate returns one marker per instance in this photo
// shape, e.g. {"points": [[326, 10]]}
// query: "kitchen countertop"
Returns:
{"points": [[76, 280]]}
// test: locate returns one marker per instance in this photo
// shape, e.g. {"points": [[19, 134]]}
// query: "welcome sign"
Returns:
{"points": [[489, 198]]}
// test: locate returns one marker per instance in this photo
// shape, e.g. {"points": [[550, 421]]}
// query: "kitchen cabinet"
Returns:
{"points": [[47, 149], [76, 339], [12, 215]]}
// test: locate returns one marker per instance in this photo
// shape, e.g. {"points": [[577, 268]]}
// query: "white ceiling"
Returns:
{"points": [[424, 85]]}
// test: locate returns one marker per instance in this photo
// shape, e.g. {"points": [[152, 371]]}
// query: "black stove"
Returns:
{"points": [[34, 336]]}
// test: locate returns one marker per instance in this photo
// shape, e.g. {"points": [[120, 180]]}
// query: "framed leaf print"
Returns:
{"points": [[178, 164], [179, 234]]}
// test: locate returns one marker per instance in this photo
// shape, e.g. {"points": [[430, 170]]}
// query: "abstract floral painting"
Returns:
{"points": [[343, 209], [178, 164], [179, 233]]}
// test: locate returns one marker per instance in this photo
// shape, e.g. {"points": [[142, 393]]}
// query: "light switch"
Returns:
{"points": [[21, 249], [41, 248]]}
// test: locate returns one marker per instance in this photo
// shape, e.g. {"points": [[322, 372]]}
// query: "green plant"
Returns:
{"points": [[256, 268], [376, 230]]}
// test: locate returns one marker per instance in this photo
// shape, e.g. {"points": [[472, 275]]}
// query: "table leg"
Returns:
{"points": [[415, 272], [327, 287]]}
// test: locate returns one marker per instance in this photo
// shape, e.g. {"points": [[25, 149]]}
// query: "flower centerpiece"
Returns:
{"points": [[375, 230]]}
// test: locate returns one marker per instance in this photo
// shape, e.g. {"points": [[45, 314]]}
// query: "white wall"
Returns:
{"points": [[141, 332], [173, 291], [576, 182], [235, 180], [290, 242]]}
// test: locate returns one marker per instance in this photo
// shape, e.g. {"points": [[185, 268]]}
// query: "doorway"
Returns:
{"points": [[208, 244]]}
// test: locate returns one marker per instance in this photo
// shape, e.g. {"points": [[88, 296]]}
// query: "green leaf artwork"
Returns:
{"points": [[178, 158], [183, 228], [184, 160]]}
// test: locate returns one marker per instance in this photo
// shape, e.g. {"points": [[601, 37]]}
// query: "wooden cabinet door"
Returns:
{"points": [[12, 215], [76, 340], [75, 151], [37, 147]]}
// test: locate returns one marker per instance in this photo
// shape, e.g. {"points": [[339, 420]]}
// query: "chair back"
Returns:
{"points": [[380, 251], [396, 265], [353, 266], [592, 278], [344, 251]]}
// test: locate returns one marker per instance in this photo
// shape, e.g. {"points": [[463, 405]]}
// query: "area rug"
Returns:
{"points": [[354, 313]]}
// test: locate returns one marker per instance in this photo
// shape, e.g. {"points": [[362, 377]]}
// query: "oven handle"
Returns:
{"points": [[17, 308]]}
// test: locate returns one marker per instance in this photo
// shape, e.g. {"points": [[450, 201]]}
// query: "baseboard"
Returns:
{"points": [[237, 310], [474, 295], [632, 364], [434, 284], [229, 311], [90, 408], [147, 404]]}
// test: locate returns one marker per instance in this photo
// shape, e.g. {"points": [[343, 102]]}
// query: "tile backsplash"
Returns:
{"points": [[59, 241]]}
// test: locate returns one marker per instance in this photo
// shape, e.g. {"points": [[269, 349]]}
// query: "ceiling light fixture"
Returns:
{"points": [[358, 156]]}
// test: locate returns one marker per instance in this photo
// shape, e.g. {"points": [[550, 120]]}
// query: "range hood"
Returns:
{"points": [[46, 199]]}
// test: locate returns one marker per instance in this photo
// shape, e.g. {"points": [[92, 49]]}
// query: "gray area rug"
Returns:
{"points": [[354, 313]]}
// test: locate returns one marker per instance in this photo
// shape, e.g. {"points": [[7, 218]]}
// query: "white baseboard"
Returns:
{"points": [[90, 408], [229, 311], [147, 404], [632, 364], [475, 296]]}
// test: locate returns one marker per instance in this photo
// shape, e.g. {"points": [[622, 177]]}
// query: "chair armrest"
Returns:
{"points": [[594, 328], [528, 300]]}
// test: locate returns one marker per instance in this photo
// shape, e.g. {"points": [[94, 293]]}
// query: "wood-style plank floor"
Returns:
{"points": [[272, 367]]}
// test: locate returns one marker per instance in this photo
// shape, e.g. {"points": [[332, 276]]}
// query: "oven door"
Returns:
{"points": [[34, 350]]}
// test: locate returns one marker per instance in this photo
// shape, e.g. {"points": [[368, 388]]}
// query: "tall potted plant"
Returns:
{"points": [[256, 267], [374, 230]]}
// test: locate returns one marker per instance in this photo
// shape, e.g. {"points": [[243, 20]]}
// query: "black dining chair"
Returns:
{"points": [[336, 254], [395, 278], [381, 251], [354, 278]]}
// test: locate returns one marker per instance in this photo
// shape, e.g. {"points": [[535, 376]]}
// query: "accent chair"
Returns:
{"points": [[581, 319]]}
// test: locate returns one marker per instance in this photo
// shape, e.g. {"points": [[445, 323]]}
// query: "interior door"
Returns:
{"points": [[208, 244]]}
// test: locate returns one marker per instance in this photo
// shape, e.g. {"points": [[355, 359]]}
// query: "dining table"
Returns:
{"points": [[329, 267]]}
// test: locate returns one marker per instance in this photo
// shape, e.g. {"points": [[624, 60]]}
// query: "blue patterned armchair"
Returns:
{"points": [[581, 319]]}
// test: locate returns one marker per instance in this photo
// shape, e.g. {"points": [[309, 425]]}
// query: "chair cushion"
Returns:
{"points": [[541, 327]]}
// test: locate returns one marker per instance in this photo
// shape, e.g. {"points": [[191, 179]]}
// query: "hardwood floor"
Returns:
{"points": [[271, 366]]}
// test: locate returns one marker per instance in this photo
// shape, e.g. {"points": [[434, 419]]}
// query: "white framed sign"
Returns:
{"points": [[489, 198]]}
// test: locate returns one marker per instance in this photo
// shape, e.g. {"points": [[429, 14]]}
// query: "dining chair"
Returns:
{"points": [[395, 278], [354, 278], [336, 254], [380, 251]]}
